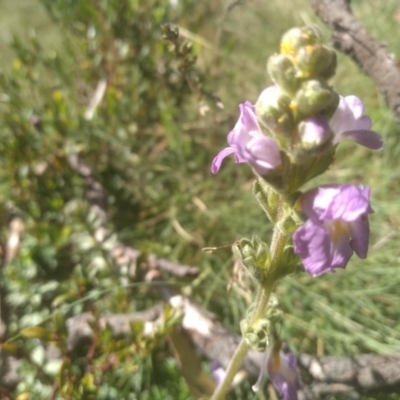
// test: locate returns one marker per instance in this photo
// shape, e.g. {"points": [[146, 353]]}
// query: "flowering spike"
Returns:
{"points": [[289, 137]]}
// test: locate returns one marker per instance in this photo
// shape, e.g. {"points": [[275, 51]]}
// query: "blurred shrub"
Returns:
{"points": [[151, 167]]}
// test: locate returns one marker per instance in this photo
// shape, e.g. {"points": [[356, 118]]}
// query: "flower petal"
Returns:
{"points": [[315, 201], [248, 117], [246, 123], [360, 237], [289, 392], [217, 372], [365, 138], [216, 164], [249, 144], [312, 243], [341, 253], [282, 373], [348, 205], [343, 118], [356, 105], [262, 153], [337, 227], [363, 124], [348, 121]]}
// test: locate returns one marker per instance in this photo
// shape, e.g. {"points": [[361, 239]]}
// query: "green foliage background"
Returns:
{"points": [[151, 148]]}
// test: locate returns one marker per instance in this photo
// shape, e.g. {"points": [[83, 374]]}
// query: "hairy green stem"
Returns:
{"points": [[279, 238], [233, 366], [278, 243], [262, 298]]}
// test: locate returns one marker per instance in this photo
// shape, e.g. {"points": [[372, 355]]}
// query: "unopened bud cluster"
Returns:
{"points": [[296, 109]]}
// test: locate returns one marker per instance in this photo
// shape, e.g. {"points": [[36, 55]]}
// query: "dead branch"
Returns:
{"points": [[350, 37], [80, 330], [322, 377]]}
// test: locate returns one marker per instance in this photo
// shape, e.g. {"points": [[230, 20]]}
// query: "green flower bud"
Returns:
{"points": [[314, 96], [296, 38], [330, 110], [267, 198], [273, 111], [257, 334], [283, 72], [316, 61], [273, 314], [254, 255]]}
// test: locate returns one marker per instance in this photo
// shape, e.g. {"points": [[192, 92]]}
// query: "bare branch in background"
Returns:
{"points": [[350, 37], [349, 377], [120, 253], [96, 99], [80, 331]]}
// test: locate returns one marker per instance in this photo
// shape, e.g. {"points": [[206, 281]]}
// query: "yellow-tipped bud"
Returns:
{"points": [[316, 61], [273, 111], [314, 96], [283, 72], [296, 38]]}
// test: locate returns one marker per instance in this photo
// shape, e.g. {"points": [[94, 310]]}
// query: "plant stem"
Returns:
{"points": [[262, 298], [233, 366]]}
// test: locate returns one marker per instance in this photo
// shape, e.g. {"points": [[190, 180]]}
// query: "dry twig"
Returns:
{"points": [[350, 37]]}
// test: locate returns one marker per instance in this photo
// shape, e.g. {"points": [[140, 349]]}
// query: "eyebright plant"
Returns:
{"points": [[288, 137]]}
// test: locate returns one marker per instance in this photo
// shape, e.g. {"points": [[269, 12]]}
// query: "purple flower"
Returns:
{"points": [[282, 372], [349, 121], [217, 372], [337, 226], [281, 369], [249, 144]]}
